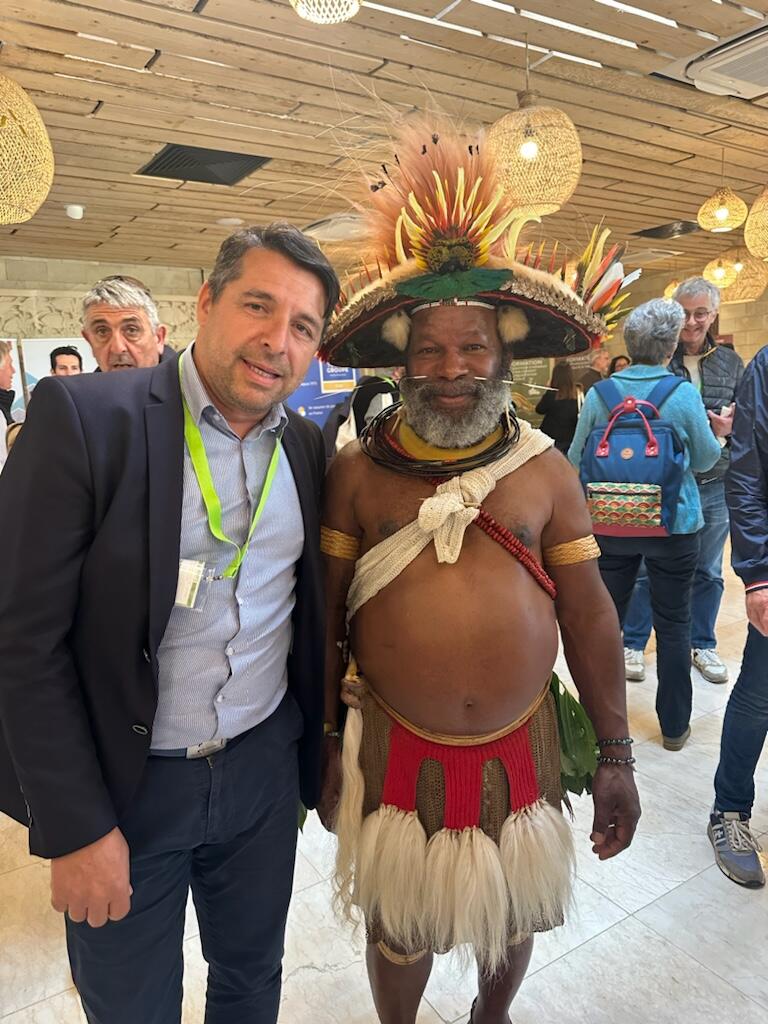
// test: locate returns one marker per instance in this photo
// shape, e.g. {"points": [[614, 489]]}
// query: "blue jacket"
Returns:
{"points": [[684, 409], [746, 483]]}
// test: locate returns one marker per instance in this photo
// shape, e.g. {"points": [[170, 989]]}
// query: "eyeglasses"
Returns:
{"points": [[699, 315]]}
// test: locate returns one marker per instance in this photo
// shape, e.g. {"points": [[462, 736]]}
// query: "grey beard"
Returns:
{"points": [[445, 429]]}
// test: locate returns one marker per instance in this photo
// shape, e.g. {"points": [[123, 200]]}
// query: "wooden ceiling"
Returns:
{"points": [[115, 80]]}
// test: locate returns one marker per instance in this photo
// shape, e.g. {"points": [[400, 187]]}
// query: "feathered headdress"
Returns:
{"points": [[445, 233]]}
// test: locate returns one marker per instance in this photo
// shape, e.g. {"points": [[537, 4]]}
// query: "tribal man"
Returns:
{"points": [[456, 541]]}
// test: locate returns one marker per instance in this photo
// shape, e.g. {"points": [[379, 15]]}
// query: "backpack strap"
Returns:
{"points": [[609, 393], [664, 389]]}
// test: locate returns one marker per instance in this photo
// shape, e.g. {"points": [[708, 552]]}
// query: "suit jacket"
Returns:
{"points": [[90, 519]]}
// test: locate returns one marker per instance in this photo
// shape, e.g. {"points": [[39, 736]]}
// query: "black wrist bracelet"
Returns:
{"points": [[623, 741], [615, 760]]}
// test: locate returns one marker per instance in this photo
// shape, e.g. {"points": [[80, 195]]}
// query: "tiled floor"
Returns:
{"points": [[658, 936]]}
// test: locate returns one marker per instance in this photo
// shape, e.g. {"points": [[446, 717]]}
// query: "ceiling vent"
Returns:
{"points": [[737, 67], [643, 257], [210, 166]]}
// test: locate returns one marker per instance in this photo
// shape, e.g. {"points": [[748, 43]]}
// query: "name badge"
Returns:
{"points": [[188, 586]]}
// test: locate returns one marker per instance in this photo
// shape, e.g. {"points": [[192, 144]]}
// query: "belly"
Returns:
{"points": [[461, 649]]}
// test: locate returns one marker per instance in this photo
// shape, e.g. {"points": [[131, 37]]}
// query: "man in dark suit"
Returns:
{"points": [[161, 642]]}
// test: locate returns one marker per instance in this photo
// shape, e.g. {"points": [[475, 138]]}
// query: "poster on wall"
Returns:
{"points": [[530, 376], [36, 353], [323, 387]]}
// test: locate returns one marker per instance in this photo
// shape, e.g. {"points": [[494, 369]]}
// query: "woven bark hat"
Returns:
{"points": [[444, 234]]}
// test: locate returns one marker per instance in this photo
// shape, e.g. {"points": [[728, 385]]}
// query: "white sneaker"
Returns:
{"points": [[710, 664], [634, 665]]}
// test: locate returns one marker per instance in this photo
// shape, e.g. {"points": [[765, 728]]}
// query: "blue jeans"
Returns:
{"points": [[224, 826], [744, 729], [671, 564], [707, 583]]}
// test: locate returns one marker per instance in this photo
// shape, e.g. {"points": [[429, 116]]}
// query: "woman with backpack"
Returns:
{"points": [[560, 406], [641, 435]]}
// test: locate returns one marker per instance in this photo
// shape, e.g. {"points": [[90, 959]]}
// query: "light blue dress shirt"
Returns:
{"points": [[222, 665]]}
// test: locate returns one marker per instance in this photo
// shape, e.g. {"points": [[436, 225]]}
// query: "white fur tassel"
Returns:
{"points": [[513, 324], [482, 909], [349, 820], [391, 873], [538, 860], [396, 330]]}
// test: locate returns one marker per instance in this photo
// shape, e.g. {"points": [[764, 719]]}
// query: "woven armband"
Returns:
{"points": [[339, 545], [584, 549]]}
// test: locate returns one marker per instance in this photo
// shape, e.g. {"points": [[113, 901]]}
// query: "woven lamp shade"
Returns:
{"points": [[326, 12], [538, 154], [721, 271], [756, 228], [752, 279], [723, 211], [26, 157], [671, 288]]}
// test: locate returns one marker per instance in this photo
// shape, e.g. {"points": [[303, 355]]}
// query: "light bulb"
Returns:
{"points": [[722, 213], [738, 266], [529, 149], [719, 272]]}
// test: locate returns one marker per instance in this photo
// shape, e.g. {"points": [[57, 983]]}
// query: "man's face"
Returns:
{"points": [[6, 372], [602, 361], [122, 339], [257, 340], [66, 366], [458, 353], [699, 317]]}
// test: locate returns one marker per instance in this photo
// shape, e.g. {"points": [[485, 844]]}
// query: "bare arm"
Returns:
{"points": [[338, 515], [592, 644]]}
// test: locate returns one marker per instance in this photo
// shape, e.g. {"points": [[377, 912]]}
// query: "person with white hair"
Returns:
{"points": [[121, 324], [716, 372], [651, 334]]}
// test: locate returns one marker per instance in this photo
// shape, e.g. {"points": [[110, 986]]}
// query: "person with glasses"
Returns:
{"points": [[716, 371], [121, 324]]}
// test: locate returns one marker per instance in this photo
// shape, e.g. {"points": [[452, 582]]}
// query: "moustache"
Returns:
{"points": [[446, 389]]}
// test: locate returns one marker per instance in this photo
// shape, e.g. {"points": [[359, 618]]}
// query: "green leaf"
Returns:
{"points": [[578, 743], [462, 284]]}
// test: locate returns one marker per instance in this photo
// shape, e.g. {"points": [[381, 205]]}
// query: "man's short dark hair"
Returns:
{"points": [[281, 238], [65, 350]]}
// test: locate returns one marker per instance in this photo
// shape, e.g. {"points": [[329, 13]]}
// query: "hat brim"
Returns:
{"points": [[558, 324]]}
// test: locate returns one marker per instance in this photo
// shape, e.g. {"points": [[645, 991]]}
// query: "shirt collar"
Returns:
{"points": [[639, 370], [199, 403]]}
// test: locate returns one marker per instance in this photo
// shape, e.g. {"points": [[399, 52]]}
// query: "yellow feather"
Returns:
{"points": [[458, 203], [596, 260], [442, 202], [399, 249], [414, 203], [517, 225]]}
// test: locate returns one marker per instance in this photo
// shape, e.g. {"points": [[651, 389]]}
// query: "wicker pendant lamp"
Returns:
{"points": [[721, 271], [326, 12], [724, 210], [26, 157], [756, 228], [752, 279], [538, 153]]}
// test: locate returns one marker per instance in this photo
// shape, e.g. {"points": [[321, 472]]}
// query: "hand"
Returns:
{"points": [[757, 610], [93, 884], [617, 809], [722, 425], [330, 791]]}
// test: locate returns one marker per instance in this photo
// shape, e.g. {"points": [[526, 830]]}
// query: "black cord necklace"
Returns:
{"points": [[377, 443]]}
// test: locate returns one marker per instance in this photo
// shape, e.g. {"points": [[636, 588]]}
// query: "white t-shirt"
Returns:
{"points": [[692, 366]]}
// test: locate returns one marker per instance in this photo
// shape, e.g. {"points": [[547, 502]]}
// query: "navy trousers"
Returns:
{"points": [[224, 826]]}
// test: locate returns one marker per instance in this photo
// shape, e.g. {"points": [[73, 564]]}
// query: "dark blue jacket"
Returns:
{"points": [[746, 484], [721, 369], [90, 517]]}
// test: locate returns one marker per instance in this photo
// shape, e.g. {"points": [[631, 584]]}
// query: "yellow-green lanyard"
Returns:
{"points": [[202, 469]]}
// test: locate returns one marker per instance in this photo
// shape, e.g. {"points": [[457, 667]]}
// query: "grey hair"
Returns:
{"points": [[693, 286], [278, 237], [121, 295], [595, 353], [652, 331]]}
